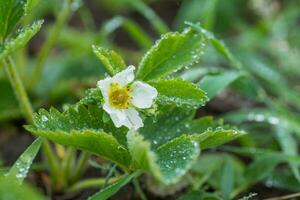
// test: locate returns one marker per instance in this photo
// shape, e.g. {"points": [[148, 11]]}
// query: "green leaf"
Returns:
{"points": [[168, 125], [173, 122], [227, 179], [213, 84], [11, 189], [176, 157], [212, 138], [83, 128], [171, 53], [258, 170], [114, 188], [169, 162], [21, 167], [180, 92], [20, 40], [218, 45], [11, 12], [194, 11], [289, 146], [285, 119], [110, 59], [30, 5], [143, 157]]}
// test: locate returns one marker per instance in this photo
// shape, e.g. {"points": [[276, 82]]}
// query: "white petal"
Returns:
{"points": [[129, 117], [124, 77], [143, 94], [104, 86], [118, 116], [134, 121]]}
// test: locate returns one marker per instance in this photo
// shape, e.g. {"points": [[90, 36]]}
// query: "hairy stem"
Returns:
{"points": [[19, 89]]}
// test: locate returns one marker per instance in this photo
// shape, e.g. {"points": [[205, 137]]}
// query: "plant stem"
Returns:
{"points": [[19, 89], [108, 176], [81, 165], [62, 18], [53, 165], [139, 189], [93, 182], [67, 163], [26, 108]]}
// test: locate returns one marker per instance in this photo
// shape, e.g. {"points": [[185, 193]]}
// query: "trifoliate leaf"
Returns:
{"points": [[110, 59], [179, 92], [171, 53]]}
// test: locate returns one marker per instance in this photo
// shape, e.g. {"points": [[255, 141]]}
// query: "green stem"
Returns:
{"points": [[108, 176], [19, 89], [62, 18], [53, 164], [93, 182], [68, 161], [81, 165], [139, 189]]}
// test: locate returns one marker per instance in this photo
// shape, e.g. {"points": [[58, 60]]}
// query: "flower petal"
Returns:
{"points": [[129, 117], [104, 86], [118, 116], [143, 94], [134, 121], [124, 77]]}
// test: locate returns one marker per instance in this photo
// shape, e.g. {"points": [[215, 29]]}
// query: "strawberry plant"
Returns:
{"points": [[97, 103]]}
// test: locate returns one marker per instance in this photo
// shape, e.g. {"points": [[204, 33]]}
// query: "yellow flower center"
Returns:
{"points": [[119, 97]]}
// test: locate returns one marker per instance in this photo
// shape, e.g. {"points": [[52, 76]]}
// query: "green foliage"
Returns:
{"points": [[10, 189], [22, 38], [171, 53], [167, 154], [30, 4], [212, 84], [180, 92], [212, 138], [11, 12], [176, 157], [168, 162], [110, 59], [8, 103], [257, 57], [21, 167], [112, 189], [82, 128], [142, 156]]}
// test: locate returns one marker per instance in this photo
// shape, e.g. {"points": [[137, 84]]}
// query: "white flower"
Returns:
{"points": [[122, 95]]}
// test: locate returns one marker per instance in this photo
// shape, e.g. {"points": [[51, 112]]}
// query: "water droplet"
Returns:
{"points": [[44, 118]]}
